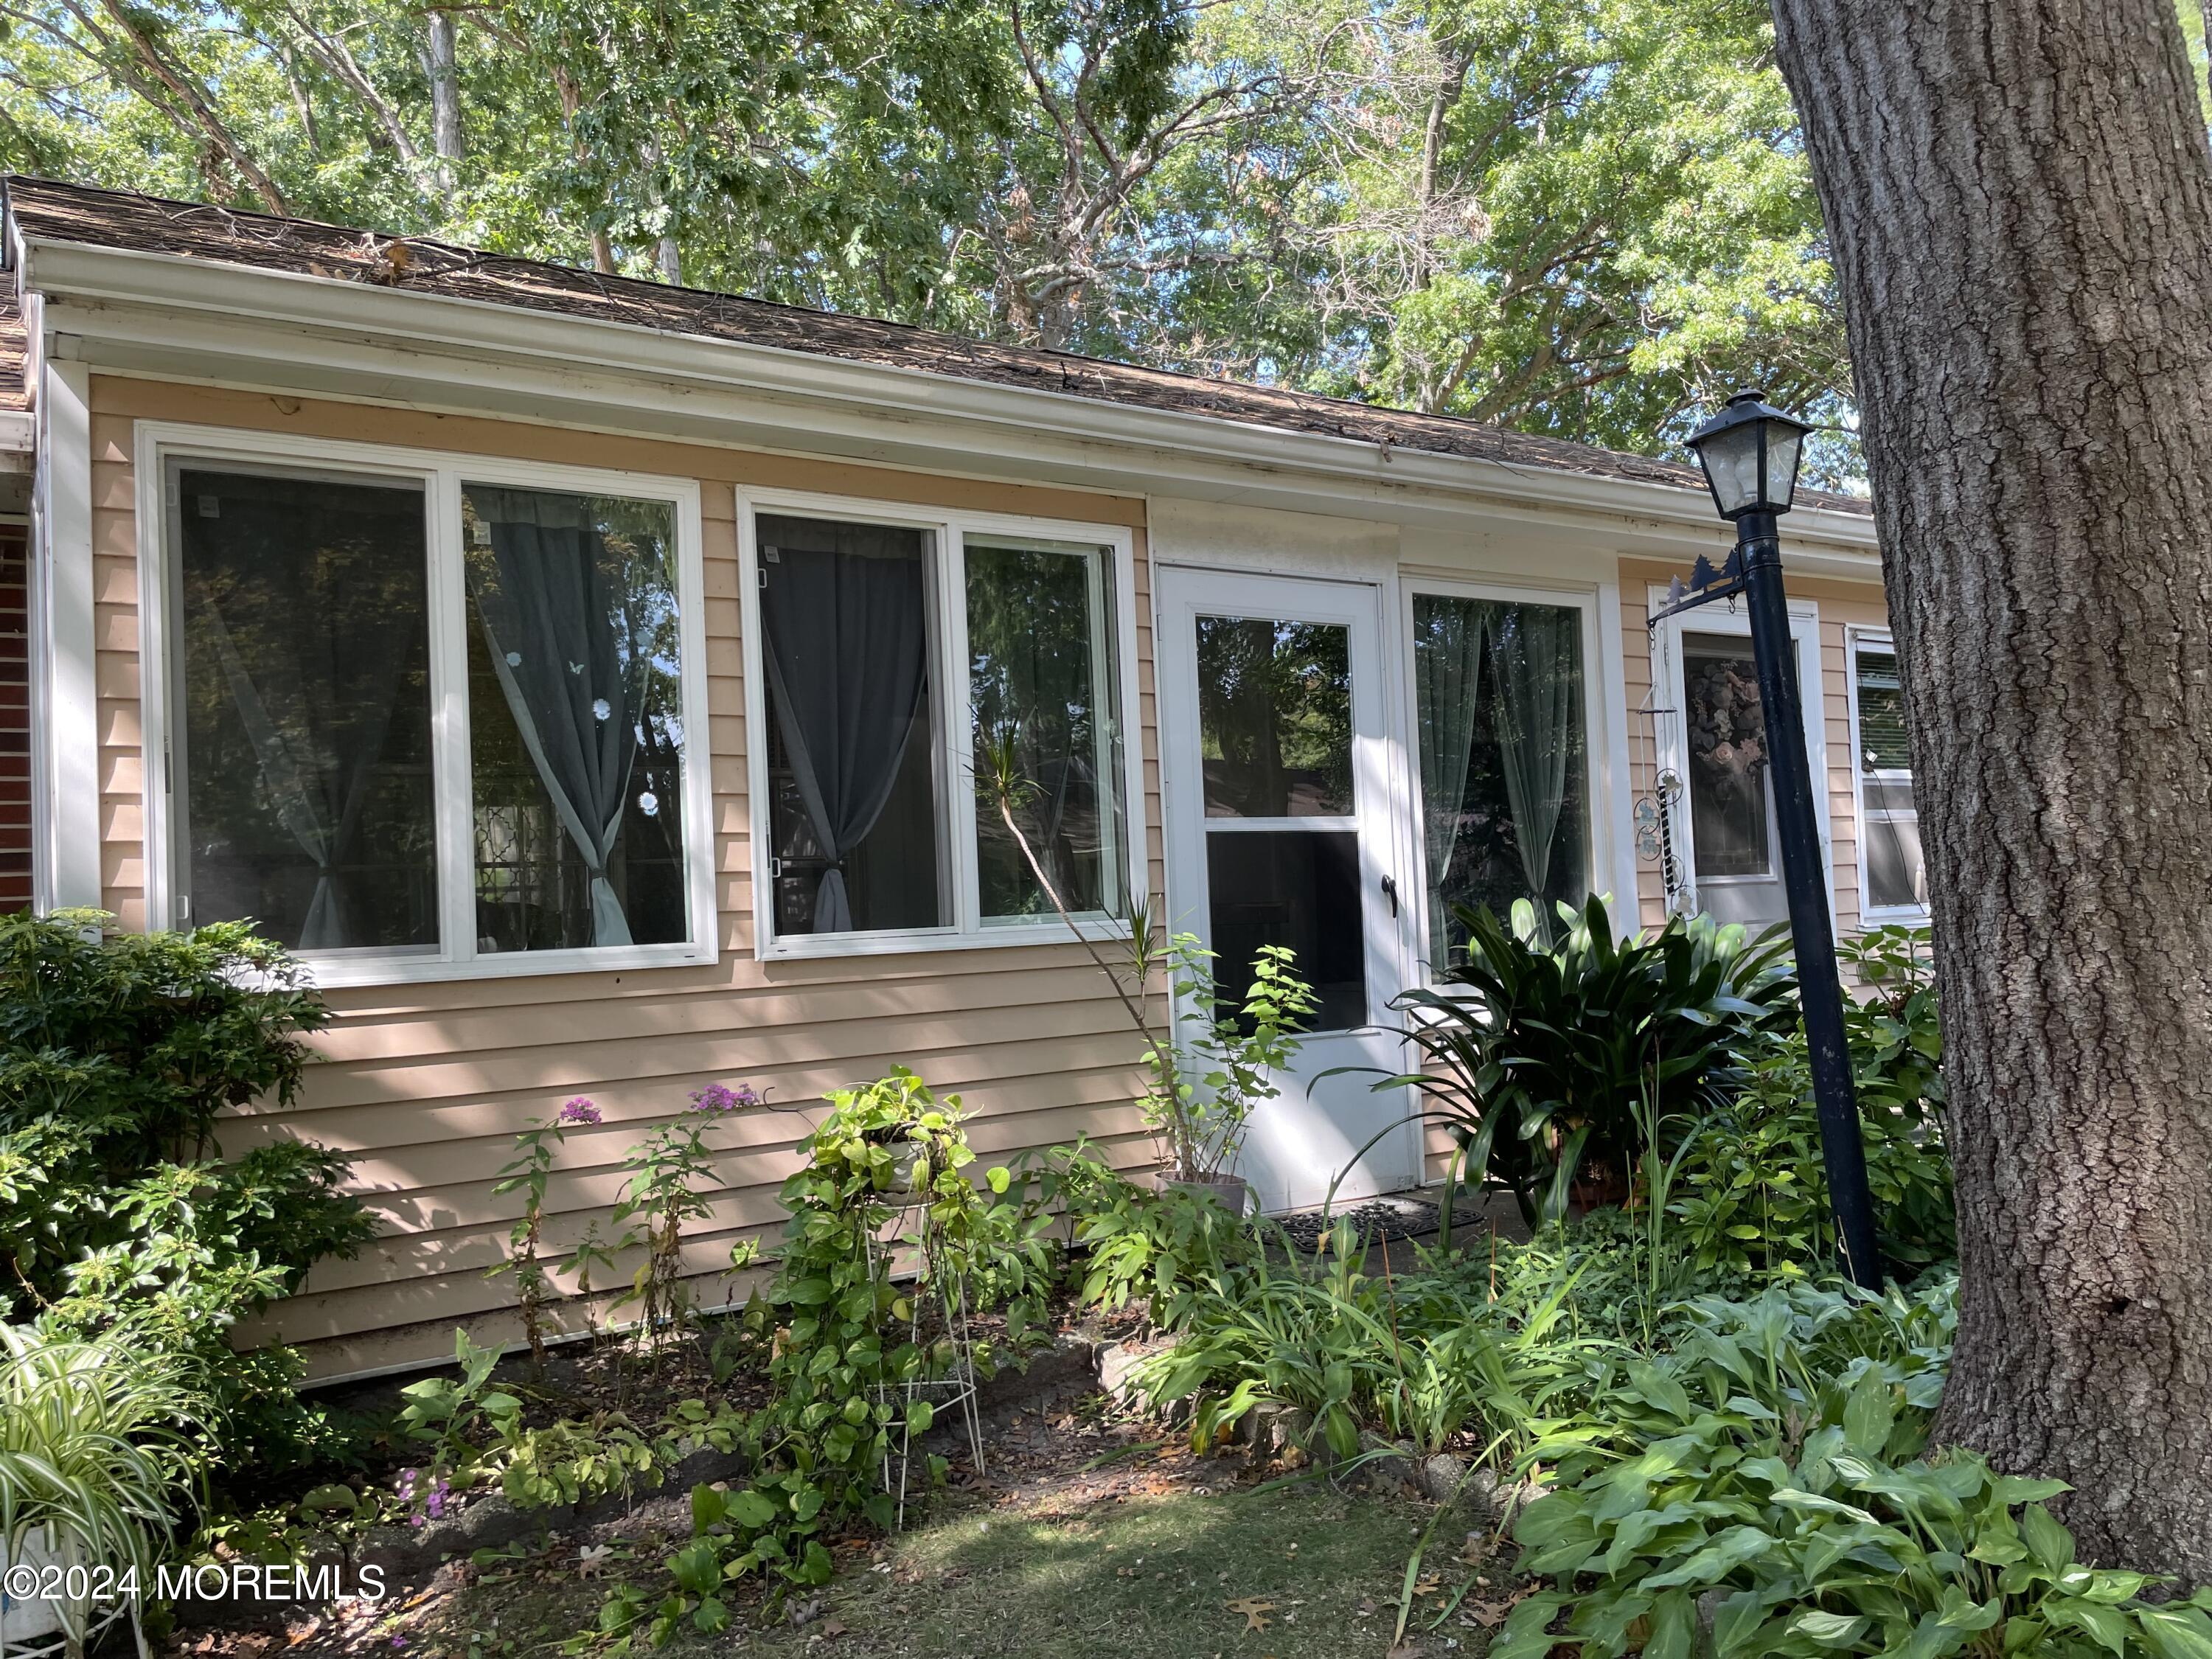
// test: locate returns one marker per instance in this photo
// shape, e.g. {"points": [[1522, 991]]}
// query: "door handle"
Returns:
{"points": [[1390, 891]]}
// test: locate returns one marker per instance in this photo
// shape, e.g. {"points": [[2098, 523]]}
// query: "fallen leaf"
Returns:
{"points": [[833, 1628], [1252, 1609], [1430, 1585]]}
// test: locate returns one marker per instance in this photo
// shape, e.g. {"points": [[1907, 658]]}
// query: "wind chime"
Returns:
{"points": [[1655, 806]]}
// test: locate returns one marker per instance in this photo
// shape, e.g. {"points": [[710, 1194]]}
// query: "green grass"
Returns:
{"points": [[1149, 1573]]}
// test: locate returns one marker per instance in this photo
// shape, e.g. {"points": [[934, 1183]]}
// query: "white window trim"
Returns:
{"points": [[949, 661], [1597, 731], [1666, 676], [442, 474], [1871, 914]]}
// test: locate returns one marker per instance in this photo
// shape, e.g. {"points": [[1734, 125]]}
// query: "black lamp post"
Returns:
{"points": [[1749, 451]]}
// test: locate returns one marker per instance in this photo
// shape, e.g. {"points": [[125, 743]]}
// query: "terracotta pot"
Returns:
{"points": [[1600, 1191], [1230, 1192]]}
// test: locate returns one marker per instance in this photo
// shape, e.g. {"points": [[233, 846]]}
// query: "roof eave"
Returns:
{"points": [[83, 273]]}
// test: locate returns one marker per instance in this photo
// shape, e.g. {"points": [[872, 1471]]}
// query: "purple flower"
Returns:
{"points": [[579, 1110], [718, 1098], [399, 1641]]}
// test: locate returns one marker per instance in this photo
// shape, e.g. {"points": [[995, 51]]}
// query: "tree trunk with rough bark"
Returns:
{"points": [[2019, 195]]}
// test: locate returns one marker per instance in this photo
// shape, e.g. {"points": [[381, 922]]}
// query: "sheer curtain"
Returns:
{"points": [[305, 706], [320, 757], [1535, 652], [553, 600], [1447, 688], [842, 619]]}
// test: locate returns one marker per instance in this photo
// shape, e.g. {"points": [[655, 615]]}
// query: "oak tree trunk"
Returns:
{"points": [[2019, 195]]}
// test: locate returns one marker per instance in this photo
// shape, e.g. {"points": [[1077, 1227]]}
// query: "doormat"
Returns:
{"points": [[1379, 1220]]}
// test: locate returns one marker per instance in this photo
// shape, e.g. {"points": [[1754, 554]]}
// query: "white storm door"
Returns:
{"points": [[1281, 805]]}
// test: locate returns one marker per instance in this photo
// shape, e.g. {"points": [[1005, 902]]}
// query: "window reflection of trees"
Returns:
{"points": [[306, 708], [1274, 702], [1038, 646]]}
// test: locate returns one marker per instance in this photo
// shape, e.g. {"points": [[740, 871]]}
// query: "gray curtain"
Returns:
{"points": [[321, 749], [556, 605], [843, 624], [1535, 657], [1448, 691]]}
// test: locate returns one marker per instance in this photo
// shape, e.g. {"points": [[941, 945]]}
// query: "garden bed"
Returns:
{"points": [[1088, 1532]]}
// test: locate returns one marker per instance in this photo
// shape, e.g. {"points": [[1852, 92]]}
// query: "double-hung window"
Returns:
{"points": [[1894, 875], [941, 757], [423, 716], [1501, 735]]}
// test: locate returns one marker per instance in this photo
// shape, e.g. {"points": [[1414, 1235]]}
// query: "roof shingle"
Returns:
{"points": [[44, 210]]}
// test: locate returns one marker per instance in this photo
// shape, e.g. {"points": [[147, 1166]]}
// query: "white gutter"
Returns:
{"points": [[398, 337]]}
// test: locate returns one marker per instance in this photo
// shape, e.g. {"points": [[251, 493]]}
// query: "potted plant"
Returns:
{"points": [[1204, 1089], [92, 1460]]}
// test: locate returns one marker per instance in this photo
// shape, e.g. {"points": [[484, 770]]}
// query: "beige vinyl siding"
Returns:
{"points": [[425, 1084]]}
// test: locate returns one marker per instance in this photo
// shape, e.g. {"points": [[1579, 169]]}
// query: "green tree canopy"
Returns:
{"points": [[1583, 217]]}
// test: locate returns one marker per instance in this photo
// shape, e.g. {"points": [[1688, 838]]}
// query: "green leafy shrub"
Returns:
{"points": [[117, 1053], [1541, 1057], [1752, 1186], [1771, 1465], [1206, 1083], [1896, 1037], [1162, 1247]]}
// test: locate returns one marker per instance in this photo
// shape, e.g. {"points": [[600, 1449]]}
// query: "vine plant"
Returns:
{"points": [[842, 1341]]}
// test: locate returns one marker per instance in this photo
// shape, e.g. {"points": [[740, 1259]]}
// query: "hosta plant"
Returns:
{"points": [[1768, 1481]]}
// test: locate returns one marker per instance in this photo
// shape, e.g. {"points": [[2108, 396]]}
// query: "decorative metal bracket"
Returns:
{"points": [[1706, 585]]}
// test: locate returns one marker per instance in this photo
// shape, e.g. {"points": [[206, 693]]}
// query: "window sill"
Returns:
{"points": [[801, 947], [335, 973], [1895, 915]]}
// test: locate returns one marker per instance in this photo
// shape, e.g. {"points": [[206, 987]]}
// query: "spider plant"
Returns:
{"points": [[93, 1454]]}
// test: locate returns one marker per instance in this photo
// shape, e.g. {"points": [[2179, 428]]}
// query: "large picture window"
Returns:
{"points": [[1895, 875], [1501, 731], [906, 668], [306, 800], [431, 720]]}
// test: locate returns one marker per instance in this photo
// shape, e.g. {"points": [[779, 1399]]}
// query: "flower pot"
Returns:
{"points": [[1230, 1192], [1604, 1190], [34, 1624]]}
